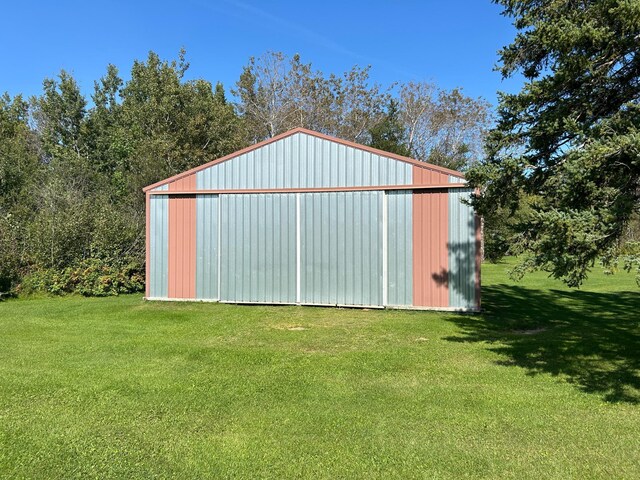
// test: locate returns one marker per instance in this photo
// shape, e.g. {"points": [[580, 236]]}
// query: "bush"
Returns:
{"points": [[91, 277]]}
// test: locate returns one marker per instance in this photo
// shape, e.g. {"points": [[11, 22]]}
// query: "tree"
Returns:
{"points": [[357, 105], [59, 232], [277, 94], [417, 107], [571, 136], [105, 137], [19, 167], [71, 206], [59, 114], [265, 91], [444, 127], [18, 153], [389, 133], [170, 125]]}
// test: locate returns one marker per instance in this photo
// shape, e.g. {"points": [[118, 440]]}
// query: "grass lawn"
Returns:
{"points": [[544, 384]]}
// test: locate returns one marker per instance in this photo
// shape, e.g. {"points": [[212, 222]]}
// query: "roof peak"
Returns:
{"points": [[313, 133]]}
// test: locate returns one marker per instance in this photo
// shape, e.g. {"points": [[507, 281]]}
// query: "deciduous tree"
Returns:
{"points": [[277, 94], [444, 127]]}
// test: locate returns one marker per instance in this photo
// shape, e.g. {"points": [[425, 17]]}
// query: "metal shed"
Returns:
{"points": [[304, 218]]}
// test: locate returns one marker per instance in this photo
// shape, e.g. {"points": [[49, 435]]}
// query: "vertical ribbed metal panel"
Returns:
{"points": [[258, 248], [341, 248], [400, 248], [430, 248], [462, 250], [304, 161], [428, 176], [454, 179], [207, 247], [159, 251]]}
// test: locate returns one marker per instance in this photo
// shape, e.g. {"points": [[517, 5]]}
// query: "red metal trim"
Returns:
{"points": [[312, 190], [422, 176], [182, 241], [347, 143], [430, 250]]}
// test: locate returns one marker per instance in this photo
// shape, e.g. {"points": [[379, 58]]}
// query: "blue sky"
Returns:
{"points": [[452, 43]]}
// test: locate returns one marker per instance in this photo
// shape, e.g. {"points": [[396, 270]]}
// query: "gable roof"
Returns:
{"points": [[417, 163]]}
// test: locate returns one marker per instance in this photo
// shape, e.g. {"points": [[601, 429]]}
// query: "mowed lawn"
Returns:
{"points": [[544, 384]]}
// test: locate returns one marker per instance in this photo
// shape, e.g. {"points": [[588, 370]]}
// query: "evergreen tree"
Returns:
{"points": [[570, 138], [389, 133]]}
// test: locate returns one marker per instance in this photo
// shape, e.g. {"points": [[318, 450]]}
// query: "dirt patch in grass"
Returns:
{"points": [[291, 328]]}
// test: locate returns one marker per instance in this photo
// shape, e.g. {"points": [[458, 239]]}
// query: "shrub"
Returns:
{"points": [[91, 277]]}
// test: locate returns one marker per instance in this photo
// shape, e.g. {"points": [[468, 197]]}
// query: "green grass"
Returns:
{"points": [[544, 384]]}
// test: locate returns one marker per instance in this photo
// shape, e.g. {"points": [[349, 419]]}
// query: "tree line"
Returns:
{"points": [[72, 168]]}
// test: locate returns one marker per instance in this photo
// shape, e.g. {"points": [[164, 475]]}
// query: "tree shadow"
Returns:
{"points": [[591, 339], [460, 278]]}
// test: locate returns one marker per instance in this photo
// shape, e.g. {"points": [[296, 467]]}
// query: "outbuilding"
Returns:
{"points": [[304, 218]]}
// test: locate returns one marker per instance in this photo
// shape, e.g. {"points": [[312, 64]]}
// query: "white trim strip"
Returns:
{"points": [[298, 251], [219, 242], [385, 248]]}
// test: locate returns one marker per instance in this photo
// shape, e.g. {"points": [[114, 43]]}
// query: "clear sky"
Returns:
{"points": [[452, 43]]}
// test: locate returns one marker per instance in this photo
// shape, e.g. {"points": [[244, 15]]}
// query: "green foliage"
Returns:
{"points": [[18, 152], [71, 206], [503, 227], [571, 136], [627, 259], [19, 167], [9, 254], [91, 277], [60, 114], [171, 124], [389, 133]]}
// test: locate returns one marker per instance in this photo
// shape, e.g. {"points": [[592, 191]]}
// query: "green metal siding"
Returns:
{"points": [[462, 250], [207, 247], [258, 248], [304, 161], [341, 248], [158, 254], [400, 248]]}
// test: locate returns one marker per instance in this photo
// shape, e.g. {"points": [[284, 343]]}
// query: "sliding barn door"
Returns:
{"points": [[258, 248], [341, 248]]}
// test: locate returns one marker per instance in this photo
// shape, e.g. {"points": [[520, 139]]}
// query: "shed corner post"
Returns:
{"points": [[147, 262]]}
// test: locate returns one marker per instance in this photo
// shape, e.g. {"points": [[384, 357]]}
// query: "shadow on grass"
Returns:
{"points": [[591, 339]]}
